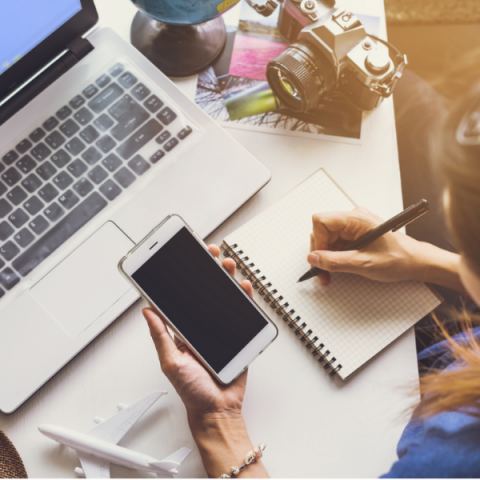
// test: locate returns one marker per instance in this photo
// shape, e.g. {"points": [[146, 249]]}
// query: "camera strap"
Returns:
{"points": [[400, 61], [266, 9]]}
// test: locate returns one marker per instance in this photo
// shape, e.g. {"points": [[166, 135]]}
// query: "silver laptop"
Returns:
{"points": [[97, 146]]}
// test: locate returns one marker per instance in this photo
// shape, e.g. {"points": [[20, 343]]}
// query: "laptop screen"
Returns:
{"points": [[24, 24]]}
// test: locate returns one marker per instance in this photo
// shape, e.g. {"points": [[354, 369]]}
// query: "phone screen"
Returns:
{"points": [[194, 293]]}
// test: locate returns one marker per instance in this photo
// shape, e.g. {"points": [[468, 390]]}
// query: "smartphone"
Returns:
{"points": [[203, 304]]}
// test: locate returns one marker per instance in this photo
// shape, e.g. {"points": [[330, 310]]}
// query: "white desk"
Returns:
{"points": [[313, 426]]}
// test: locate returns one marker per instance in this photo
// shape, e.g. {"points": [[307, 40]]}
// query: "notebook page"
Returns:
{"points": [[354, 317]]}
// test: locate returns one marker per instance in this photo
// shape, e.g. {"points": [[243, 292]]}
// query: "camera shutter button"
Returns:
{"points": [[377, 62]]}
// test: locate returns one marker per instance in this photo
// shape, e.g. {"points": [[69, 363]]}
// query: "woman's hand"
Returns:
{"points": [[214, 411], [200, 393], [391, 258]]}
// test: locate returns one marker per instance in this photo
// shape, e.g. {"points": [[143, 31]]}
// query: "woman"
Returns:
{"points": [[443, 439]]}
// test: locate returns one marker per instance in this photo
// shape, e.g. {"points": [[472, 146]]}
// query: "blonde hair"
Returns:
{"points": [[459, 168]]}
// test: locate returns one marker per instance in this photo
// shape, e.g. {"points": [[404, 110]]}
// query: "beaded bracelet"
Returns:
{"points": [[250, 457]]}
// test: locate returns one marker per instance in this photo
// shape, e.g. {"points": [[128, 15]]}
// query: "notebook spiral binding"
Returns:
{"points": [[276, 301]]}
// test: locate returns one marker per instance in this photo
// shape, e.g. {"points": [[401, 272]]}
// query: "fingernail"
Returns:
{"points": [[313, 259]]}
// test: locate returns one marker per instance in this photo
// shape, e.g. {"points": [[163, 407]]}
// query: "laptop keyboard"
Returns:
{"points": [[81, 158]]}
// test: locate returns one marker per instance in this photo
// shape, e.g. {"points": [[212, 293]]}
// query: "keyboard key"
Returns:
{"points": [[31, 183], [61, 158], [46, 170], [64, 112], [103, 122], [97, 175], [129, 122], [90, 91], [124, 177], [116, 70], [111, 190], [2, 264], [18, 218], [33, 205], [10, 157], [62, 180], [9, 250], [112, 162], [5, 230], [171, 144], [59, 233], [106, 143], [38, 225], [40, 152], [53, 212], [139, 139], [83, 116], [103, 81], [83, 187], [167, 116], [75, 146], [77, 102], [48, 192], [37, 134], [8, 278], [153, 104], [77, 168], [127, 80], [185, 132], [105, 98], [122, 107], [3, 188], [157, 156], [5, 208], [2, 167], [91, 155], [11, 176], [50, 124], [55, 140], [24, 146], [26, 164], [138, 165], [89, 134], [68, 199], [24, 237], [163, 136], [69, 128], [17, 195], [141, 92]]}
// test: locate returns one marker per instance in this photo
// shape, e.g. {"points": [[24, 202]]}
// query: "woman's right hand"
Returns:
{"points": [[393, 257]]}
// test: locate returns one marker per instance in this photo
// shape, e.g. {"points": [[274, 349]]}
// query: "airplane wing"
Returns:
{"points": [[94, 467], [113, 429]]}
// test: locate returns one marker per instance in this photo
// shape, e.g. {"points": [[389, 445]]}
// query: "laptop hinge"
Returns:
{"points": [[76, 50]]}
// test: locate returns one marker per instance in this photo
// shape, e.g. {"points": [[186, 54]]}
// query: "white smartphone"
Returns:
{"points": [[204, 305]]}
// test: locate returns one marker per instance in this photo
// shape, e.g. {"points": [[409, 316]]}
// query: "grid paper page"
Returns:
{"points": [[354, 317]]}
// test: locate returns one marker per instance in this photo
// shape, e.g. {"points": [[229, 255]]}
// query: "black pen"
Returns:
{"points": [[394, 224]]}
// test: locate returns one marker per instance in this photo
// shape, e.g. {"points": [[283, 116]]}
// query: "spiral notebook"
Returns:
{"points": [[344, 324]]}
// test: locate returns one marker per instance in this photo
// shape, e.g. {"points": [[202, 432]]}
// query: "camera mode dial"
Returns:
{"points": [[377, 62]]}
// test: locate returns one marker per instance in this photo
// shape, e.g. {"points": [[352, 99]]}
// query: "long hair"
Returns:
{"points": [[459, 168]]}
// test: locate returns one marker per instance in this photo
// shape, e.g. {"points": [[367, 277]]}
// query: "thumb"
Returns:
{"points": [[334, 261]]}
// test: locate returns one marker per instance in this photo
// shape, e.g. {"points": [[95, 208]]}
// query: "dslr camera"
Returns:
{"points": [[329, 51]]}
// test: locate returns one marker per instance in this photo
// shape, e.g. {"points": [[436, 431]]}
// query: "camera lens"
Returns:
{"points": [[300, 76]]}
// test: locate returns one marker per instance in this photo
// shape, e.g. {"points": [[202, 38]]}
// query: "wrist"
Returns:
{"points": [[438, 266], [223, 442]]}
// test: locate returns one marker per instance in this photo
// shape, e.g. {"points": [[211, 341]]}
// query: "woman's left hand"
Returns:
{"points": [[200, 392]]}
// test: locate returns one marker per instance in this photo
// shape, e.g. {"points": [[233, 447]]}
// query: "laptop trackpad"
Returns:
{"points": [[87, 282]]}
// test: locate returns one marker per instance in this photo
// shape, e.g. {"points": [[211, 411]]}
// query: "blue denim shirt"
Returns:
{"points": [[444, 446]]}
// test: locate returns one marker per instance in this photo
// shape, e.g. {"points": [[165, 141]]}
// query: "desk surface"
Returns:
{"points": [[313, 426]]}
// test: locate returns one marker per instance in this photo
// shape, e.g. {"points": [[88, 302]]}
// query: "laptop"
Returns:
{"points": [[97, 146]]}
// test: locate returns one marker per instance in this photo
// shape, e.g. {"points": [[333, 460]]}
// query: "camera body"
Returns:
{"points": [[330, 50]]}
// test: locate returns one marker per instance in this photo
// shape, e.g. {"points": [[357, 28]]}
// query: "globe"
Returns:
{"points": [[184, 12], [181, 37]]}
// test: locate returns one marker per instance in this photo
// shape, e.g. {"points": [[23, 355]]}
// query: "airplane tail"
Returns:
{"points": [[165, 465], [169, 465], [179, 456]]}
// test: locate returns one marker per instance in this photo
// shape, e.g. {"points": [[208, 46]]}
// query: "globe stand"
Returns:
{"points": [[178, 51]]}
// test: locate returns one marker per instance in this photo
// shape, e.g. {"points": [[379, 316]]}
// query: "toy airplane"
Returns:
{"points": [[98, 448]]}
